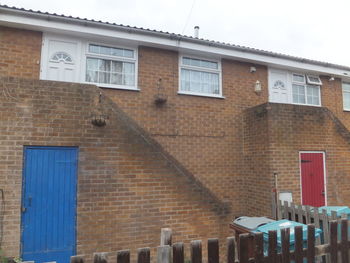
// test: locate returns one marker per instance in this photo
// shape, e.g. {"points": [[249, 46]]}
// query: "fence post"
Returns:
{"points": [[143, 255], [163, 254], [298, 232], [213, 250], [272, 251], [334, 241], [285, 238], [196, 251], [300, 214], [259, 247], [292, 207], [123, 256], [76, 259], [307, 215], [310, 243], [178, 253], [285, 210], [100, 257], [244, 248], [165, 236], [344, 240], [231, 250]]}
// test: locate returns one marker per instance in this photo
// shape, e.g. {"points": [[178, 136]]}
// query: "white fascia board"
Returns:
{"points": [[161, 40]]}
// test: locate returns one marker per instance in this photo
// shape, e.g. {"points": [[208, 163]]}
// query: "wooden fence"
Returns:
{"points": [[308, 215], [252, 248]]}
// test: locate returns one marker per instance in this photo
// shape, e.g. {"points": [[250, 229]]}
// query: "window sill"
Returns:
{"points": [[311, 105], [200, 95], [106, 86], [347, 110]]}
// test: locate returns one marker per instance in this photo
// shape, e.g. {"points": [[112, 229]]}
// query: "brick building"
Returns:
{"points": [[197, 132]]}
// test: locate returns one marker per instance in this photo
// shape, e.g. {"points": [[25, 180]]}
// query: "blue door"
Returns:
{"points": [[49, 203]]}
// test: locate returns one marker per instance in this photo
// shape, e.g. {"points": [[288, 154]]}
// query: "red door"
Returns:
{"points": [[312, 179]]}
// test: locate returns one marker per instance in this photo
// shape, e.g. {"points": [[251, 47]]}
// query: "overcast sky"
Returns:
{"points": [[311, 29]]}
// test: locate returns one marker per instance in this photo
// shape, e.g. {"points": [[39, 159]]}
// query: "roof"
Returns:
{"points": [[181, 37]]}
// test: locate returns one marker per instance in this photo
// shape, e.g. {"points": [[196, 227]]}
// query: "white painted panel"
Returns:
{"points": [[68, 75], [53, 73], [65, 67], [279, 88]]}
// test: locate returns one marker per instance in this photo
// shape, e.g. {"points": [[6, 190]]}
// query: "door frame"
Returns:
{"points": [[25, 147], [324, 175]]}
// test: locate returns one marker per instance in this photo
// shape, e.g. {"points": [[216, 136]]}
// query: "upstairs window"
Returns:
{"points": [[346, 96], [200, 77], [111, 66], [306, 89]]}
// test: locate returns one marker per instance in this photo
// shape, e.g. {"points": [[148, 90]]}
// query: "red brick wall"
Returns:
{"points": [[291, 129], [127, 190], [204, 134], [20, 52]]}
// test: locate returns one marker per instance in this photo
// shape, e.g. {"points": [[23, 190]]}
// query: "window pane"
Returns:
{"points": [[111, 51], [128, 53], [313, 96], [298, 94], [117, 52], [199, 63], [110, 72], [199, 82], [94, 49], [315, 80], [117, 66], [298, 78], [346, 100], [346, 87], [92, 63], [91, 76], [117, 78]]}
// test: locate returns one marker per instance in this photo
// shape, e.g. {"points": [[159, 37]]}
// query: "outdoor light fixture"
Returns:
{"points": [[252, 69], [257, 87]]}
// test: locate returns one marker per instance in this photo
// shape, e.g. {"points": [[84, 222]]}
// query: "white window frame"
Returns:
{"points": [[114, 58], [217, 71], [344, 107], [311, 82], [305, 84]]}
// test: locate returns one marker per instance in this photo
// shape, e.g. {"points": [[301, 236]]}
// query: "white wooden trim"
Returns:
{"points": [[324, 175]]}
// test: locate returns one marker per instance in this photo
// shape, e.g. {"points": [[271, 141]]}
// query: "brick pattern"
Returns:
{"points": [[127, 190], [203, 134], [20, 52], [291, 129]]}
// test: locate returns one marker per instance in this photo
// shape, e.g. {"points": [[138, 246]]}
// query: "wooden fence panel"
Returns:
{"points": [[196, 251], [123, 256], [298, 235], [300, 213], [334, 241], [310, 243], [293, 217], [272, 250], [285, 238], [244, 248], [213, 250], [344, 250], [144, 255], [178, 253], [100, 257], [259, 247], [231, 250], [75, 259]]}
